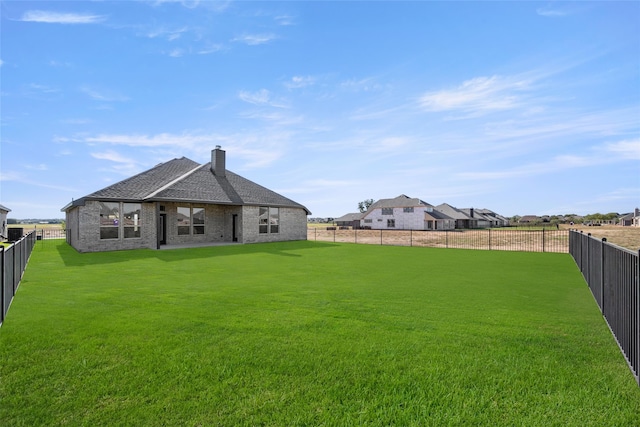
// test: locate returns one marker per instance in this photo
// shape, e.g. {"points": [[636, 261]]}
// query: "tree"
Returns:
{"points": [[364, 205]]}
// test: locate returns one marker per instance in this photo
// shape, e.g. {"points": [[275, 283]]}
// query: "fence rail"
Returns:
{"points": [[13, 261], [613, 275], [488, 239]]}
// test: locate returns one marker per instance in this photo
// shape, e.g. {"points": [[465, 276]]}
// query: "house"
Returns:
{"points": [[405, 213], [462, 220], [3, 222], [529, 219], [481, 220], [349, 220], [495, 219], [182, 202], [631, 219]]}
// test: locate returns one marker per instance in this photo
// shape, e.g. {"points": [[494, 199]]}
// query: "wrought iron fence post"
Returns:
{"points": [[637, 289], [355, 235], [602, 269], [411, 237], [489, 239], [2, 284], [334, 235]]}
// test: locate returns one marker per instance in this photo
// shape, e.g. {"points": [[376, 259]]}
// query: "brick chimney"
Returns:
{"points": [[471, 212], [218, 162]]}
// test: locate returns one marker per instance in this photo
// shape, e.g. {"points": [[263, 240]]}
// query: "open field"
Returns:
{"points": [[626, 237], [309, 333]]}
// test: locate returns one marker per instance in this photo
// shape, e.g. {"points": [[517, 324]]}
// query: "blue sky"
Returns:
{"points": [[519, 107]]}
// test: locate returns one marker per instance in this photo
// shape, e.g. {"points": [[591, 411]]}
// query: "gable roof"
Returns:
{"points": [[452, 212], [354, 216], [183, 180], [401, 201]]}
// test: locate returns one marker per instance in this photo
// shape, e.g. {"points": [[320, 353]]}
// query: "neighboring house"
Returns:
{"points": [[3, 221], [349, 220], [495, 219], [482, 220], [631, 219], [182, 202], [462, 220], [405, 213], [529, 219]]}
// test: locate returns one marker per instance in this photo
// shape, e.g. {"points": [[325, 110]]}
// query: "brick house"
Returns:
{"points": [[405, 213], [182, 202]]}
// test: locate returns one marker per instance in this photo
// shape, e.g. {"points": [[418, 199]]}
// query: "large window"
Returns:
{"points": [[387, 211], [407, 210], [198, 220], [132, 219], [109, 220], [190, 220], [184, 220], [391, 223], [268, 220]]}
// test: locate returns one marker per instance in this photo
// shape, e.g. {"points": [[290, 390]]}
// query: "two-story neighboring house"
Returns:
{"points": [[405, 213]]}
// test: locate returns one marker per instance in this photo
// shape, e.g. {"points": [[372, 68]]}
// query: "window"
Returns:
{"points": [[263, 220], [368, 221], [391, 223], [268, 220], [408, 210], [198, 220], [184, 220], [387, 211], [132, 219], [274, 220], [190, 220], [109, 220]]}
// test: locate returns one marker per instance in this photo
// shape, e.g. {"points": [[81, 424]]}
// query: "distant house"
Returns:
{"points": [[3, 221], [349, 220], [495, 219], [631, 219], [405, 213], [462, 220], [182, 202], [528, 219]]}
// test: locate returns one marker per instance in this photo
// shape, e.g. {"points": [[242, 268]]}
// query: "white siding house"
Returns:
{"points": [[405, 213]]}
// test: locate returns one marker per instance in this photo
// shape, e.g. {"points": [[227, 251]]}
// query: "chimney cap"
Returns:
{"points": [[218, 147]]}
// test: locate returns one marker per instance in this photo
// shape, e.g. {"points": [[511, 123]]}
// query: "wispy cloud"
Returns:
{"points": [[297, 82], [551, 12], [20, 178], [629, 149], [477, 95], [49, 17], [284, 20], [103, 95], [262, 97], [254, 39]]}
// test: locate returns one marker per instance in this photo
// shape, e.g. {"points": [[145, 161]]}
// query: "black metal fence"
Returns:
{"points": [[612, 274], [15, 233], [13, 261], [504, 239]]}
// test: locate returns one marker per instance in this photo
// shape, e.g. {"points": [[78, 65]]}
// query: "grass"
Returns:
{"points": [[309, 333]]}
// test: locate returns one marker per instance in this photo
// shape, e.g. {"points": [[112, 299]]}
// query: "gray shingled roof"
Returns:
{"points": [[183, 180], [452, 212], [4, 209], [350, 217], [401, 201]]}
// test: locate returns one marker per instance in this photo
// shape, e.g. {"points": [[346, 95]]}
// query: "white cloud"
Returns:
{"points": [[629, 149], [1, 62], [103, 95], [284, 20], [254, 39], [60, 18], [551, 12], [258, 98], [477, 95], [297, 82]]}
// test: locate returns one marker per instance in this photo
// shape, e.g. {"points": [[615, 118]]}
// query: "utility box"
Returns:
{"points": [[14, 234]]}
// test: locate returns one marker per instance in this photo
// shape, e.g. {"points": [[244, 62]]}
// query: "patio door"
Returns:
{"points": [[234, 227], [162, 229]]}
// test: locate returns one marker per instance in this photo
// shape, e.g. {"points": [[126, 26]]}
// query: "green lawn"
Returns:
{"points": [[309, 333]]}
